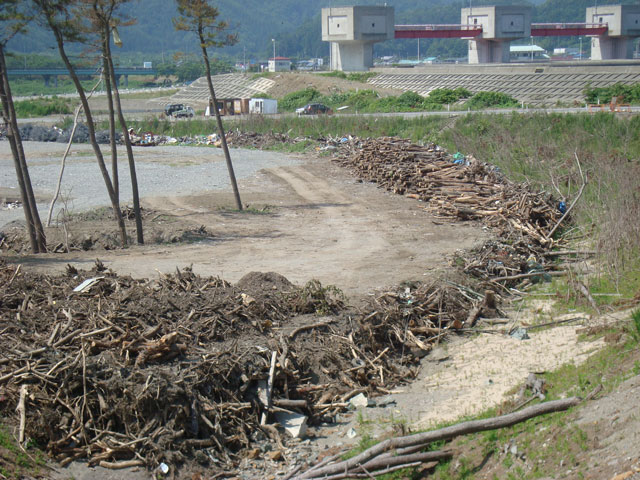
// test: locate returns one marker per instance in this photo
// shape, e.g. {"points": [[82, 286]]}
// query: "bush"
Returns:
{"points": [[625, 93], [298, 99], [41, 107], [491, 99], [445, 96]]}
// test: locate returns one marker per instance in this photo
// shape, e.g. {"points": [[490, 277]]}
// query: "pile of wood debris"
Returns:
{"points": [[463, 188], [136, 372]]}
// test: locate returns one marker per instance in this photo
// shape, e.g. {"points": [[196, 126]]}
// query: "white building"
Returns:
{"points": [[527, 53], [279, 64]]}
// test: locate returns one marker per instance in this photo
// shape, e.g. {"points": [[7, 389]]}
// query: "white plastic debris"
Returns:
{"points": [[359, 400], [164, 468], [87, 284], [295, 424]]}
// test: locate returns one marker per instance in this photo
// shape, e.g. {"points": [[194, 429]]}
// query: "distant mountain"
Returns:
{"points": [[295, 26]]}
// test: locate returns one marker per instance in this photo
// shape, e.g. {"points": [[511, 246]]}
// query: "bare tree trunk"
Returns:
{"points": [[66, 152], [34, 226], [112, 125], [92, 133], [56, 194], [223, 139], [127, 143]]}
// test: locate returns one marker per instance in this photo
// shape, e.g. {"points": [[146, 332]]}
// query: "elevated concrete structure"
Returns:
{"points": [[352, 32], [623, 23], [500, 25]]}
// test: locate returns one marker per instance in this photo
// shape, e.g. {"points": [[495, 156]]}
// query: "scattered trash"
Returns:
{"points": [[382, 402], [520, 334], [295, 424], [459, 159], [164, 468], [351, 433], [87, 284], [536, 385], [562, 207], [359, 400]]}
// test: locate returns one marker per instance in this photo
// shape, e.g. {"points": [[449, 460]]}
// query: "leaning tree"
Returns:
{"points": [[201, 18], [13, 20], [58, 16]]}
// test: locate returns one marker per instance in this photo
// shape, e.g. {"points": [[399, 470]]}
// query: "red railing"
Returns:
{"points": [[567, 29], [437, 31]]}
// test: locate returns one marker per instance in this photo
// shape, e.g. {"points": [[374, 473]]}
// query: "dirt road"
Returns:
{"points": [[307, 218]]}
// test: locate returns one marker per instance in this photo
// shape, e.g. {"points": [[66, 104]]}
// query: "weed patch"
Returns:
{"points": [[41, 107]]}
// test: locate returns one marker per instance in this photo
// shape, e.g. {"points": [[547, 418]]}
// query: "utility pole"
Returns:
{"points": [[581, 48]]}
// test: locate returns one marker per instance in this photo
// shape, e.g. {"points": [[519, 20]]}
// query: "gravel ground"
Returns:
{"points": [[161, 171]]}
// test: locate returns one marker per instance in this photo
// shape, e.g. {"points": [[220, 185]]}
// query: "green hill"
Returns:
{"points": [[295, 25]]}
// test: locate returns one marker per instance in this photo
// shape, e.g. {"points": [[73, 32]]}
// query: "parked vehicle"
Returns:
{"points": [[187, 111], [179, 110], [314, 109]]}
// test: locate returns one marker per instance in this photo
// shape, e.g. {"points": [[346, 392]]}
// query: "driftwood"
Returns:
{"points": [[575, 200], [382, 449]]}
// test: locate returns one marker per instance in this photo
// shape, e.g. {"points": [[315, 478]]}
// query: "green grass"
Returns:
{"points": [[41, 107], [27, 86], [353, 76], [369, 101], [16, 463]]}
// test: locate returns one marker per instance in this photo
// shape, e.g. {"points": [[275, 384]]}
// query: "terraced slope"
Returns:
{"points": [[232, 85], [547, 87]]}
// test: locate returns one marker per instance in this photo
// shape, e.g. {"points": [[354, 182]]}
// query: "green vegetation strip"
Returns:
{"points": [[41, 107], [369, 101]]}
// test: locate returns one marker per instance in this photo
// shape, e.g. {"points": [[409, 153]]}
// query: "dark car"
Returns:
{"points": [[314, 109], [178, 110], [169, 109]]}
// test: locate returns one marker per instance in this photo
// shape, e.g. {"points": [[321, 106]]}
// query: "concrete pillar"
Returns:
{"points": [[117, 79], [489, 51], [351, 57], [126, 81], [46, 80], [609, 48], [623, 25]]}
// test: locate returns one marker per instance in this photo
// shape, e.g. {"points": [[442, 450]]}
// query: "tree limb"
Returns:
{"points": [[441, 434]]}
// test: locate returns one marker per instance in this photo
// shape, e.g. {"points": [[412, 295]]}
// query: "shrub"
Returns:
{"points": [[298, 99], [41, 107], [445, 96], [625, 93], [491, 99]]}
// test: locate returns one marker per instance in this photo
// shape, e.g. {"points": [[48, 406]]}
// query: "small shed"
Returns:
{"points": [[279, 64], [229, 106], [263, 106]]}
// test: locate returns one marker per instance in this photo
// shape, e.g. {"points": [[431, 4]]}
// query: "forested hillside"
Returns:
{"points": [[295, 26]]}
